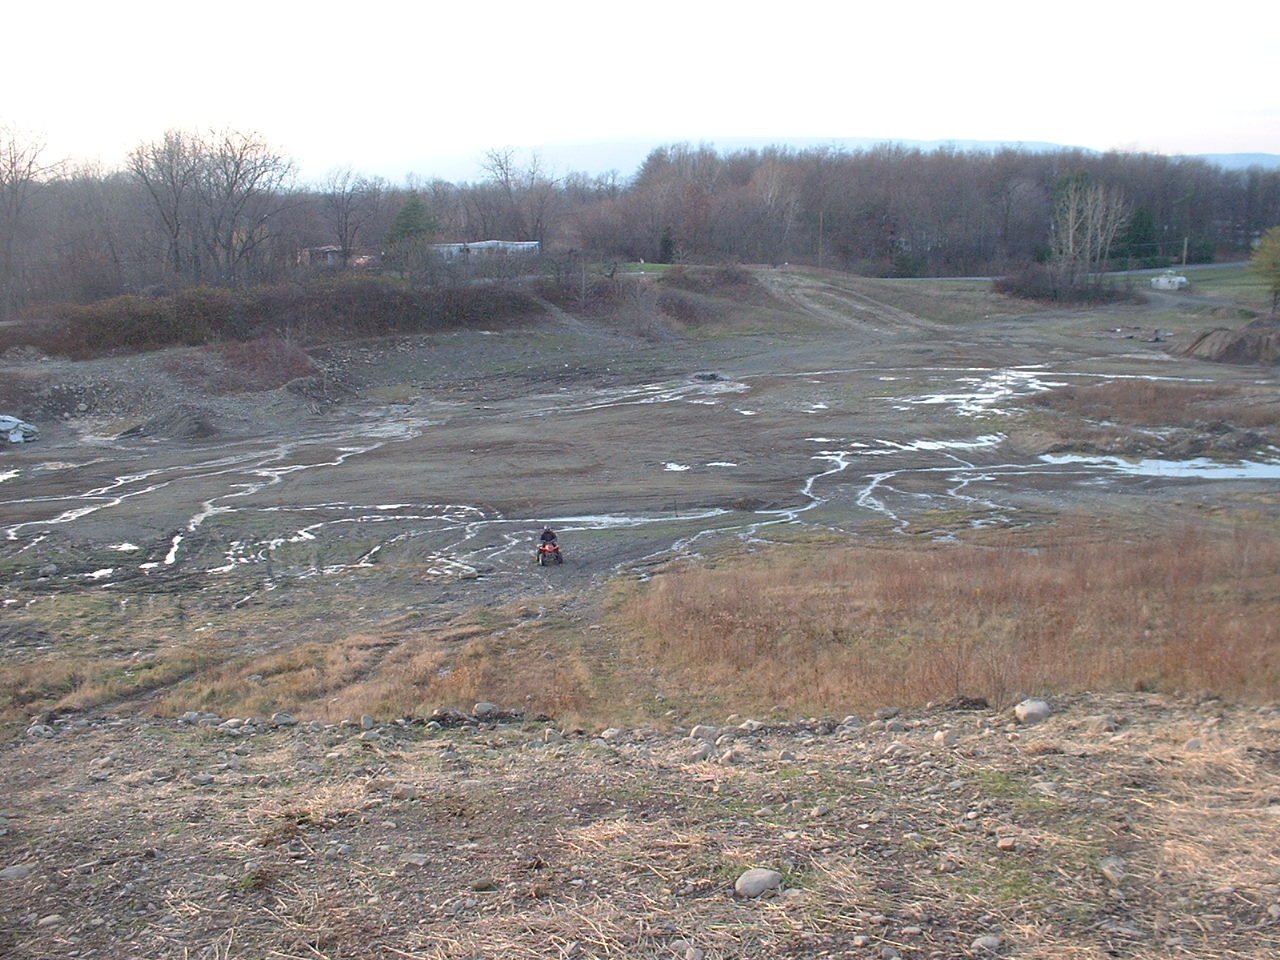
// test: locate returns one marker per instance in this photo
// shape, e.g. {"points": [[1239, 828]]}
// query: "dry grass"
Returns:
{"points": [[858, 627], [1150, 403], [69, 683], [235, 367]]}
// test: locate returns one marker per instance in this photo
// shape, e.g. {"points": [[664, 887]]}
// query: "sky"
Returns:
{"points": [[393, 88]]}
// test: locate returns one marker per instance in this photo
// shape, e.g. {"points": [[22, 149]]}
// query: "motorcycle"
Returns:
{"points": [[548, 552]]}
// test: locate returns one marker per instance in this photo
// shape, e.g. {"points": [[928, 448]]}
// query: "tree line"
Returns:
{"points": [[225, 209]]}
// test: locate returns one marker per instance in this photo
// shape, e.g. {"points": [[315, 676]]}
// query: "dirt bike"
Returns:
{"points": [[549, 552]]}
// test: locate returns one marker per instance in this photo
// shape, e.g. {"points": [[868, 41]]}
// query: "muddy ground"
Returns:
{"points": [[406, 484], [826, 405]]}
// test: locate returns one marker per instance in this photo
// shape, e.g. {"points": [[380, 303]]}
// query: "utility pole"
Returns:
{"points": [[819, 239]]}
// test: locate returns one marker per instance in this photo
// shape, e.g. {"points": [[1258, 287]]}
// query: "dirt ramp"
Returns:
{"points": [[1256, 342]]}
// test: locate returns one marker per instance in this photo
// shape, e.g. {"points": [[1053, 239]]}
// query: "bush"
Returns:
{"points": [[1039, 282], [328, 309]]}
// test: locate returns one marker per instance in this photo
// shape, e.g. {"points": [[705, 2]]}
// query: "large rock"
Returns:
{"points": [[756, 882], [1032, 711]]}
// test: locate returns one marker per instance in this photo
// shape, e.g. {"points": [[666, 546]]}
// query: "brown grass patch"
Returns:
{"points": [[80, 683], [859, 626], [1151, 403]]}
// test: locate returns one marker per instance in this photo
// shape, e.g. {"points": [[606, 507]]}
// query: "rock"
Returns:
{"points": [[750, 726], [51, 920], [705, 732], [887, 713], [283, 720], [686, 950], [612, 735], [861, 940], [945, 738], [990, 943], [703, 752], [1191, 745], [202, 779], [1007, 843], [1032, 711], [1112, 869], [756, 882], [41, 731], [370, 735], [367, 722], [404, 791], [415, 859], [786, 756], [19, 871], [484, 710], [1103, 723]]}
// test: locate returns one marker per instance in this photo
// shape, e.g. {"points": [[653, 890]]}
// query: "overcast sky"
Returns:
{"points": [[392, 88]]}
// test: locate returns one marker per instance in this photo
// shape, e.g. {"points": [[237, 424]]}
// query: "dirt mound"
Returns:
{"points": [[184, 422], [1256, 342]]}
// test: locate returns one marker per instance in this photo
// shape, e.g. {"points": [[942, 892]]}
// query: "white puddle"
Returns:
{"points": [[7, 475], [1199, 468], [985, 392]]}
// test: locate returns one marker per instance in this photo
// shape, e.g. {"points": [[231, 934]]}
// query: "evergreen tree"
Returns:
{"points": [[413, 222]]}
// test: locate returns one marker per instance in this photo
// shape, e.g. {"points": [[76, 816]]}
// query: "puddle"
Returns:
{"points": [[1199, 469], [7, 475], [985, 393], [721, 463], [675, 467]]}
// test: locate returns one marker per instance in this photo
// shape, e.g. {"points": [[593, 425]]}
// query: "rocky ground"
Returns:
{"points": [[1093, 826]]}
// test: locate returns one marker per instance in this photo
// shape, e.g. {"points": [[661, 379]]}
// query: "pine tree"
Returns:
{"points": [[413, 222]]}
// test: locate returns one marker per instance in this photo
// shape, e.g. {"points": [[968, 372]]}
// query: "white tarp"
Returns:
{"points": [[17, 431]]}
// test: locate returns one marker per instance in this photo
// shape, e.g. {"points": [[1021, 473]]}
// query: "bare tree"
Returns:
{"points": [[238, 192], [23, 175], [168, 169], [349, 204], [1086, 218], [526, 196]]}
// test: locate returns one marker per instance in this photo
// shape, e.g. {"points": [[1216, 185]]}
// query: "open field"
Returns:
{"points": [[789, 496]]}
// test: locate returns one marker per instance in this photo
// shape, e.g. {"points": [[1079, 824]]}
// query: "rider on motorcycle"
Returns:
{"points": [[548, 551]]}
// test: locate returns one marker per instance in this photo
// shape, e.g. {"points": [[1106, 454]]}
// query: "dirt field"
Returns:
{"points": [[396, 497]]}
